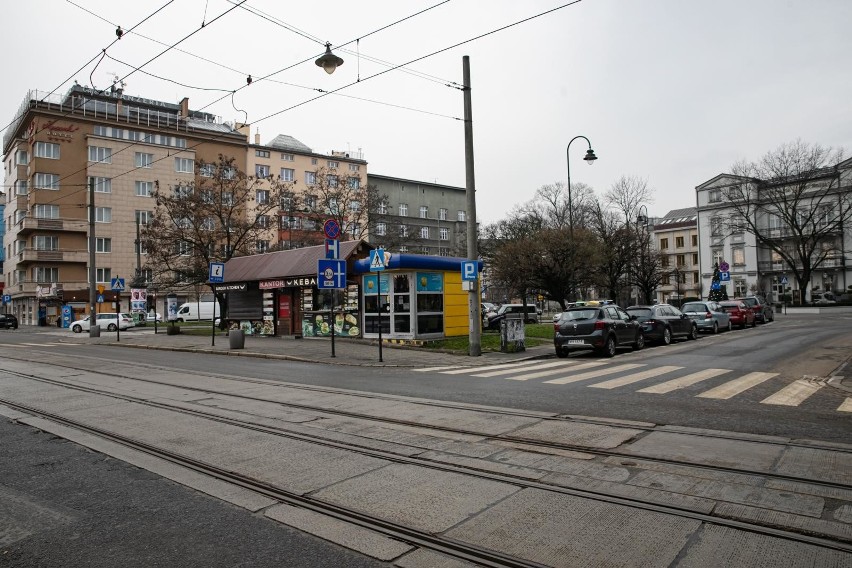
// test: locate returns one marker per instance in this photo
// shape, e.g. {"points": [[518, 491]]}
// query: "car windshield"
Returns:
{"points": [[580, 314], [749, 301], [694, 308], [641, 314], [731, 308]]}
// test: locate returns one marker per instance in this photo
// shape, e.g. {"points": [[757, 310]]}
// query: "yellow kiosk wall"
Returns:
{"points": [[456, 305]]}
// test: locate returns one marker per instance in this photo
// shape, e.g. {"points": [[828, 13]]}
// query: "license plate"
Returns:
{"points": [[576, 342]]}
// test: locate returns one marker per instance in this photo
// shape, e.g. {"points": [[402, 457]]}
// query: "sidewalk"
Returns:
{"points": [[354, 352]]}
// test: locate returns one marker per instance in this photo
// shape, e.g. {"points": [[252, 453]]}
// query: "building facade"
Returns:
{"points": [[676, 238]]}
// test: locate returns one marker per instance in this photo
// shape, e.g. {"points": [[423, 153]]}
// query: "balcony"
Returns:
{"points": [[32, 255], [31, 288], [30, 224]]}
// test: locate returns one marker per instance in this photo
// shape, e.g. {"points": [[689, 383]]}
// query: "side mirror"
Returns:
{"points": [[633, 318]]}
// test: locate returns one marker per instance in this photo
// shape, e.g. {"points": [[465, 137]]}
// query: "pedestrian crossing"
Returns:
{"points": [[599, 375]]}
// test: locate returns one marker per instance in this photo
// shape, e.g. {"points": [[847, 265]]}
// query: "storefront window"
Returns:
{"points": [[430, 303], [318, 320]]}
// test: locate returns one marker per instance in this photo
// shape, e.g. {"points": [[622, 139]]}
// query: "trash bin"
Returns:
{"points": [[237, 339]]}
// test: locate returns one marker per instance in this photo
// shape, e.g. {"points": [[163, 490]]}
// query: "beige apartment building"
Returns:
{"points": [[54, 149], [676, 238]]}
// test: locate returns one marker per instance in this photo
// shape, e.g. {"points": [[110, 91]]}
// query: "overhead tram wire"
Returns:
{"points": [[188, 148], [125, 32]]}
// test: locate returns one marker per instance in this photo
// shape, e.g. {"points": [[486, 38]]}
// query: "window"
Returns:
{"points": [[287, 157], [403, 230], [41, 242], [333, 207], [442, 214], [208, 224], [679, 242], [738, 256], [355, 229], [664, 261], [681, 260], [183, 248], [229, 172], [332, 180], [228, 198], [183, 223], [144, 188], [261, 153], [354, 167], [354, 183], [103, 275], [354, 205], [445, 234], [461, 216], [143, 160], [715, 195], [664, 244], [383, 208], [717, 256], [695, 241], [288, 174], [424, 232], [45, 274], [262, 221], [310, 202], [185, 165], [314, 161], [695, 259], [716, 226], [333, 164], [695, 278], [261, 170], [100, 154], [666, 280], [21, 158], [102, 184], [261, 196], [403, 209], [46, 181], [47, 150], [144, 217], [46, 212], [424, 212], [403, 249], [181, 191], [443, 251], [740, 288], [381, 229], [103, 244], [21, 187], [287, 202], [207, 170], [262, 246], [311, 178], [103, 214]]}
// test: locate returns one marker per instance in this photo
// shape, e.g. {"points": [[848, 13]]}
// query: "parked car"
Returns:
{"points": [[110, 322], [662, 322], [8, 321], [763, 312], [708, 316], [602, 328], [518, 309], [823, 299], [151, 317], [740, 313]]}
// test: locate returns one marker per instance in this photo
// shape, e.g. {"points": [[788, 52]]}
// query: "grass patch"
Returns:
{"points": [[536, 334]]}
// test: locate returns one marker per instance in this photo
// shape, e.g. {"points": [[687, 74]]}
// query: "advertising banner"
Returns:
{"points": [[171, 307], [138, 299]]}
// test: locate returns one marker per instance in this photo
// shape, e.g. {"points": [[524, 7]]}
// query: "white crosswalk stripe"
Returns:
{"points": [[48, 344], [530, 368], [593, 374], [486, 368], [538, 375], [685, 381], [635, 377], [793, 394], [737, 386], [846, 406], [434, 369]]}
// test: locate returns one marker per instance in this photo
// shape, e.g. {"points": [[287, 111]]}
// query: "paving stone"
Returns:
{"points": [[844, 514], [784, 520], [532, 448], [732, 548], [424, 558], [483, 465], [755, 456], [704, 473], [566, 531], [339, 532], [732, 493], [563, 465], [810, 489], [577, 434], [424, 498], [826, 465]]}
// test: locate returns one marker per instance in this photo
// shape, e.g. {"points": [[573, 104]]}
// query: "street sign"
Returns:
{"points": [[101, 288], [377, 259], [331, 274], [332, 249], [715, 286], [100, 298], [724, 266], [469, 270], [784, 280], [724, 276], [331, 228], [117, 284], [217, 272], [7, 299]]}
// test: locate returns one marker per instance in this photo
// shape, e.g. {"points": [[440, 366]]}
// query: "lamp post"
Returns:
{"points": [[641, 219], [590, 159]]}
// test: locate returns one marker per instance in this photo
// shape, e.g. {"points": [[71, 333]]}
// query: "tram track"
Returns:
{"points": [[400, 532]]}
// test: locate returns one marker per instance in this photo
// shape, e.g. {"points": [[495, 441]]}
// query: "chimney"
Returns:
{"points": [[257, 137], [243, 128], [184, 107]]}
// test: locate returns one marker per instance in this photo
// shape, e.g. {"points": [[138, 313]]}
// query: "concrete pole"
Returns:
{"points": [[93, 274], [475, 321]]}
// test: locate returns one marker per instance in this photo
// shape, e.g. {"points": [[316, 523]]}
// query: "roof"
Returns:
{"points": [[416, 261], [283, 264], [285, 142], [681, 217]]}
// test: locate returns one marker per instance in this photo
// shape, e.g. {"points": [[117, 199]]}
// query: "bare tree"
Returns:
{"points": [[792, 201], [627, 195], [617, 251]]}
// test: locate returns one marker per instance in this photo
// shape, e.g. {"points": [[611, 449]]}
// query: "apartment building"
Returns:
{"points": [[676, 238], [754, 267], [420, 217], [56, 146]]}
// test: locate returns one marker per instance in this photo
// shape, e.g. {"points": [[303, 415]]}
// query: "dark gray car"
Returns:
{"points": [[708, 316], [602, 328]]}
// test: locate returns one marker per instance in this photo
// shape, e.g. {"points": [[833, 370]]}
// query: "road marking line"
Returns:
{"points": [[593, 374], [793, 394], [635, 377], [737, 386], [431, 369], [540, 374], [684, 381], [846, 406], [505, 371], [488, 368]]}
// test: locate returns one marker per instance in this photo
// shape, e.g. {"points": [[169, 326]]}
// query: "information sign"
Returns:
{"points": [[724, 276], [7, 299], [217, 272], [331, 274], [332, 249], [469, 270]]}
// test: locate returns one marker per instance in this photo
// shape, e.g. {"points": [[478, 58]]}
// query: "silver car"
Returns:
{"points": [[708, 316]]}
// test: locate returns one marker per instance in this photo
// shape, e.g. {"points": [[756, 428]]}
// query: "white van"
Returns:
{"points": [[192, 311]]}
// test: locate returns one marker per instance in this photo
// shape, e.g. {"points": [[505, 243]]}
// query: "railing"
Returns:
{"points": [[33, 255], [775, 266], [71, 225]]}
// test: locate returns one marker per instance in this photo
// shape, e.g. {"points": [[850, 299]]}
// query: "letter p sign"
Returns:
{"points": [[469, 270]]}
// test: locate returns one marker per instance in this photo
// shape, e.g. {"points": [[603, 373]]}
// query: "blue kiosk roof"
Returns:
{"points": [[400, 261]]}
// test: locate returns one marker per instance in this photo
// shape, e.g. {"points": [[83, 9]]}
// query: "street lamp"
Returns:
{"points": [[641, 218], [328, 60], [590, 159]]}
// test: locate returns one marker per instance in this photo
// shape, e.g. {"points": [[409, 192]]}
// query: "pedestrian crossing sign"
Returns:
{"points": [[377, 259]]}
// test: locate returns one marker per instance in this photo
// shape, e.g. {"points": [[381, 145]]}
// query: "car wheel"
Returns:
{"points": [[715, 328], [111, 327], [693, 333], [609, 347], [561, 352], [77, 328], [730, 326], [640, 342], [667, 337], [754, 322], [743, 325]]}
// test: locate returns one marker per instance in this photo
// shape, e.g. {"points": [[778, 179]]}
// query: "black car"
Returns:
{"points": [[662, 322], [528, 313], [8, 321], [602, 328]]}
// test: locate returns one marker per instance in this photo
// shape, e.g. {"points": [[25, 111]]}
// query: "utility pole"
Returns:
{"points": [[475, 322], [94, 330]]}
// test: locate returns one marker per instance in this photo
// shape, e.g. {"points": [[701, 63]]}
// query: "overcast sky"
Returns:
{"points": [[673, 91]]}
